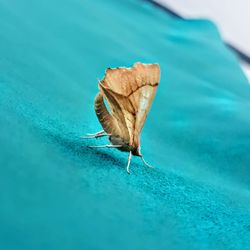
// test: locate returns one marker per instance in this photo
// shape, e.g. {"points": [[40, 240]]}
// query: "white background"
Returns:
{"points": [[231, 16]]}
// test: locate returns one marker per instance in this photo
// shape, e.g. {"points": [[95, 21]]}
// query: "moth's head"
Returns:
{"points": [[135, 147], [135, 151]]}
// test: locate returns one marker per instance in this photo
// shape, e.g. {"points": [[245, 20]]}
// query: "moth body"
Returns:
{"points": [[116, 140], [129, 93]]}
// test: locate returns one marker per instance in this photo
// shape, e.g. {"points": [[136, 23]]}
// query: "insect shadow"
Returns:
{"points": [[79, 148]]}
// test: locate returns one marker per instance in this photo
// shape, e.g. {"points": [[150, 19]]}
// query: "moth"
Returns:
{"points": [[129, 93]]}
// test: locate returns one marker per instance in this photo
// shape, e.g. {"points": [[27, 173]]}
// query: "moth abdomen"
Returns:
{"points": [[103, 115]]}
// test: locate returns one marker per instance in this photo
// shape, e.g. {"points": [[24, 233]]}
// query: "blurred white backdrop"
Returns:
{"points": [[231, 17]]}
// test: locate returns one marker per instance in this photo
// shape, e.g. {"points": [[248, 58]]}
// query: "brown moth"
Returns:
{"points": [[129, 93]]}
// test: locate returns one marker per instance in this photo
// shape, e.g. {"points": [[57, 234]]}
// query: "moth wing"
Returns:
{"points": [[117, 112], [145, 98], [133, 90]]}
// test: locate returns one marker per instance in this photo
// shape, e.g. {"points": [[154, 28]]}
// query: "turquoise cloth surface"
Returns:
{"points": [[58, 194]]}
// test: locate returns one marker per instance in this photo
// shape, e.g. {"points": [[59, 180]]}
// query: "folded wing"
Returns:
{"points": [[130, 93]]}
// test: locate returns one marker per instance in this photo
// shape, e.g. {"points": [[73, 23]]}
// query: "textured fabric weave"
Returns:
{"points": [[58, 194]]}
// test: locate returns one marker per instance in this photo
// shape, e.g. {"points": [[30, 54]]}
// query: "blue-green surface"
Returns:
{"points": [[57, 194]]}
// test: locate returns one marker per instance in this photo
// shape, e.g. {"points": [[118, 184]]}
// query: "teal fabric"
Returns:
{"points": [[58, 194]]}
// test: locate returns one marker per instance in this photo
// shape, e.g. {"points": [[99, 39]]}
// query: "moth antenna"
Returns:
{"points": [[145, 163], [129, 160], [106, 146]]}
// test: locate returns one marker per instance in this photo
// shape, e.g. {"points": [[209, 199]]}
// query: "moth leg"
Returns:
{"points": [[96, 135], [106, 146], [129, 160], [145, 163]]}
